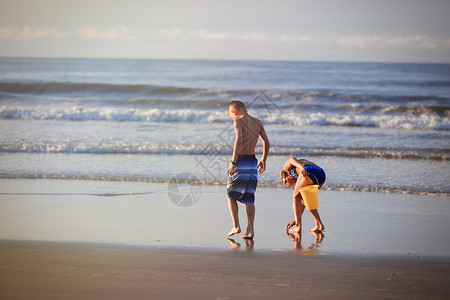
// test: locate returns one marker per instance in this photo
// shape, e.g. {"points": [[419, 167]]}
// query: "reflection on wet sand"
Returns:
{"points": [[313, 249], [249, 243]]}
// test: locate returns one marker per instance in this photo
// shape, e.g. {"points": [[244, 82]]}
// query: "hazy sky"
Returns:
{"points": [[312, 30]]}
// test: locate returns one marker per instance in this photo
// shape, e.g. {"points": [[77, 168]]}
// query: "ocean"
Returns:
{"points": [[377, 127]]}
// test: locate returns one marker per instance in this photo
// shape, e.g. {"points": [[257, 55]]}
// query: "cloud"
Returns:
{"points": [[256, 36], [206, 35], [28, 32], [203, 34], [112, 33], [225, 35], [124, 33], [414, 41], [168, 33], [294, 38]]}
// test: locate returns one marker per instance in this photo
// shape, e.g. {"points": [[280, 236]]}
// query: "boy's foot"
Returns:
{"points": [[234, 231], [247, 236]]}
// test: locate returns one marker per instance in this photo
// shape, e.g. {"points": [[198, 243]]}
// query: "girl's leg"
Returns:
{"points": [[298, 207], [234, 212], [319, 224]]}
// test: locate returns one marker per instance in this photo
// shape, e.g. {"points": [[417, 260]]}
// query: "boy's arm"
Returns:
{"points": [[266, 147], [230, 170]]}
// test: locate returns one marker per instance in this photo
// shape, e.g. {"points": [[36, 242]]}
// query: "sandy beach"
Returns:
{"points": [[149, 214], [38, 270], [77, 239], [113, 168]]}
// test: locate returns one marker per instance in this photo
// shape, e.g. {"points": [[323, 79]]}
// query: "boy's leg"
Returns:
{"points": [[234, 212], [250, 207], [319, 224]]}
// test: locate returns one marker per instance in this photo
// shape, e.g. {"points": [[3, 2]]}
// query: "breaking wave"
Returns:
{"points": [[121, 114], [191, 149]]}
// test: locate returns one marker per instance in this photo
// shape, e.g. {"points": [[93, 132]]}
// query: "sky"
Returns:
{"points": [[319, 30]]}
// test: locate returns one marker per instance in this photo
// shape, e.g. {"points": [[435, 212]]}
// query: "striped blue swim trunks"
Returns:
{"points": [[241, 185]]}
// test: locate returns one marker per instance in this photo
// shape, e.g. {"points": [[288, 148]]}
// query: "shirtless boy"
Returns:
{"points": [[244, 167]]}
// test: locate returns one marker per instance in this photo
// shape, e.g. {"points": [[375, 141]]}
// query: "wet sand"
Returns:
{"points": [[141, 213], [76, 239], [44, 270]]}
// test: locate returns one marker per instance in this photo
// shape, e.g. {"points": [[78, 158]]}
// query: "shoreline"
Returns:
{"points": [[49, 270], [192, 170]]}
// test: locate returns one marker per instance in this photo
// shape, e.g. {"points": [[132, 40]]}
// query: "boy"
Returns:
{"points": [[244, 168]]}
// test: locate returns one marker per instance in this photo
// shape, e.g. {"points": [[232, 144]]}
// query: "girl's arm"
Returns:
{"points": [[294, 162], [291, 162]]}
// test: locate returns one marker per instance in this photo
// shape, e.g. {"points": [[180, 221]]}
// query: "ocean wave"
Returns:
{"points": [[140, 90], [71, 87], [409, 122], [79, 113], [110, 102], [192, 149], [199, 182]]}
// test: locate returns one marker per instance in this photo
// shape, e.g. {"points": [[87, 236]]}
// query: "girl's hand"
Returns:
{"points": [[289, 225], [304, 173], [230, 170]]}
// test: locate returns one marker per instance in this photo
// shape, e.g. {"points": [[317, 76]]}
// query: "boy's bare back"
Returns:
{"points": [[248, 129]]}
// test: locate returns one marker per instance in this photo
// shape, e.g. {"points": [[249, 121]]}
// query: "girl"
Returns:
{"points": [[302, 172]]}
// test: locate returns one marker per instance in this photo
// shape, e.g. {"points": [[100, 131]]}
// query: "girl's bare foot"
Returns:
{"points": [[234, 231], [318, 228], [296, 229]]}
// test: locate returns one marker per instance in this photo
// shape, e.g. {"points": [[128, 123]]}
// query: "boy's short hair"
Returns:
{"points": [[238, 104]]}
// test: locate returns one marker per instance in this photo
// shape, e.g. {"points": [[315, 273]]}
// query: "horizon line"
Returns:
{"points": [[224, 59]]}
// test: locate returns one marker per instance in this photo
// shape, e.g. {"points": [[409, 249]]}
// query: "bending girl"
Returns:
{"points": [[302, 172]]}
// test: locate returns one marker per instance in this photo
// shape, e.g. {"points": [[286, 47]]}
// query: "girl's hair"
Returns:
{"points": [[283, 174]]}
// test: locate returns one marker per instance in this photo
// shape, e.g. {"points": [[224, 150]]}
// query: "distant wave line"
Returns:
{"points": [[140, 91], [190, 181], [408, 121], [349, 152]]}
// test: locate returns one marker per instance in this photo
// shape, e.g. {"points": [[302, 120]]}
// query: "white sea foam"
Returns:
{"points": [[125, 147], [77, 113], [382, 121]]}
